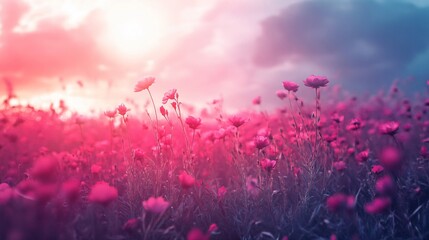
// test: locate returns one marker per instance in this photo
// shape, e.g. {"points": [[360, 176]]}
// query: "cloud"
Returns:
{"points": [[361, 43]]}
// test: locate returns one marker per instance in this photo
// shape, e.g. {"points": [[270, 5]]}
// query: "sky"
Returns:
{"points": [[92, 53]]}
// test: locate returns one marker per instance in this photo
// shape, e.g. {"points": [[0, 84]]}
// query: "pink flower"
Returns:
{"points": [[71, 189], [282, 94], [267, 164], [391, 158], [45, 168], [95, 169], [389, 128], [170, 95], [378, 205], [131, 225], [186, 180], [110, 113], [155, 205], [355, 124], [261, 142], [193, 122], [212, 228], [236, 121], [103, 193], [290, 86], [197, 234], [163, 111], [144, 84], [377, 169], [256, 100], [385, 185], [339, 166], [339, 202], [316, 81], [122, 109], [363, 156]]}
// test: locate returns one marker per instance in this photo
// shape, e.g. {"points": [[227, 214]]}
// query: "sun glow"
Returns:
{"points": [[132, 30]]}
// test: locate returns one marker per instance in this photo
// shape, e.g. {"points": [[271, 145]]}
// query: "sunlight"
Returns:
{"points": [[132, 29]]}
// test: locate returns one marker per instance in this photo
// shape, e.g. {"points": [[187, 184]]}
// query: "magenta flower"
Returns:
{"points": [[122, 109], [390, 157], [378, 205], [385, 185], [256, 100], [236, 121], [155, 205], [267, 164], [362, 156], [282, 94], [6, 193], [261, 142], [193, 122], [339, 202], [186, 180], [316, 81], [376, 169], [389, 128], [290, 86], [144, 84], [170, 95], [103, 193], [110, 113], [339, 166]]}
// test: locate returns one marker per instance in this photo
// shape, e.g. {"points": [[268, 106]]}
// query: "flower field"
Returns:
{"points": [[328, 167]]}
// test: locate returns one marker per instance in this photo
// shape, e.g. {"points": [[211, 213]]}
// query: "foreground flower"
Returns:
{"points": [[316, 81], [290, 86], [155, 205], [193, 122], [389, 128], [144, 84], [363, 156], [186, 180], [103, 193], [376, 169]]}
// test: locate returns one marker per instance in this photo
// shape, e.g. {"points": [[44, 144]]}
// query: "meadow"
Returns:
{"points": [[348, 168]]}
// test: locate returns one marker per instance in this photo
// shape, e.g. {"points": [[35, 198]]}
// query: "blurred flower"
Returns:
{"points": [[378, 205], [385, 185], [95, 169], [390, 157], [377, 169], [212, 228], [122, 109], [221, 192], [316, 81], [236, 121], [155, 205], [6, 193], [197, 234], [110, 113], [132, 225], [256, 100], [170, 95], [102, 193], [45, 168], [71, 189], [354, 125], [252, 186], [290, 86], [389, 128], [339, 166], [267, 164], [363, 156], [282, 94], [339, 202], [144, 84], [163, 111], [193, 122], [261, 142], [186, 180]]}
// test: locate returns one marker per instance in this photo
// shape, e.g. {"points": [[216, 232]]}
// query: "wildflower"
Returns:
{"points": [[339, 202], [391, 158], [236, 121], [122, 109], [193, 122], [221, 192], [363, 156], [378, 205], [45, 168], [144, 84], [71, 189], [376, 169], [389, 128], [103, 193], [170, 95], [339, 166], [212, 228], [256, 100], [316, 81], [95, 169], [290, 86], [282, 94], [385, 185], [267, 164], [197, 234], [110, 113], [354, 125], [186, 180], [155, 205], [131, 225], [261, 142]]}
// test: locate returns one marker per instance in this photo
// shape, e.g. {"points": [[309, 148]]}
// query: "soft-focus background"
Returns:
{"points": [[91, 53]]}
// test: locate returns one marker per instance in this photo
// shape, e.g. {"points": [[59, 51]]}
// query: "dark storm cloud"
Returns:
{"points": [[366, 41]]}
